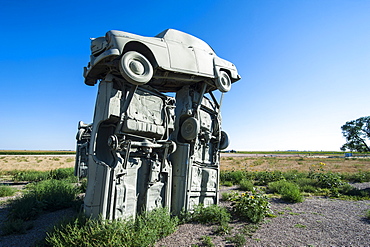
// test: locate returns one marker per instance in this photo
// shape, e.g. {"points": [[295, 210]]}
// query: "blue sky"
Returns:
{"points": [[305, 66]]}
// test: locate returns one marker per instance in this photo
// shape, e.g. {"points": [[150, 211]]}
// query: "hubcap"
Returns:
{"points": [[137, 67]]}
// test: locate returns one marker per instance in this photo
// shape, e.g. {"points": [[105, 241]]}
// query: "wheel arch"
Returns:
{"points": [[143, 49]]}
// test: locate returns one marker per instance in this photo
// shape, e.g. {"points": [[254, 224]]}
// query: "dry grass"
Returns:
{"points": [[301, 164], [35, 162]]}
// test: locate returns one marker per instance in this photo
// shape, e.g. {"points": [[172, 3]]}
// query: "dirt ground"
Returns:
{"points": [[248, 163], [299, 163], [35, 162]]}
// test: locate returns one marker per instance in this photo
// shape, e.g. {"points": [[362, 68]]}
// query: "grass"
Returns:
{"points": [[144, 231], [6, 190], [367, 214], [289, 191], [49, 195], [36, 176]]}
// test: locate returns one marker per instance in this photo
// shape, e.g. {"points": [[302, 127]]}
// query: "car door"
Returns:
{"points": [[182, 57]]}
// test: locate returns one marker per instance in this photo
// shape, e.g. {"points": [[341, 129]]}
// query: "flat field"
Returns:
{"points": [[247, 163], [298, 163], [35, 162]]}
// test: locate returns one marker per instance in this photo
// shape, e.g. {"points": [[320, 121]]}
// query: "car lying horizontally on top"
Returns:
{"points": [[167, 62]]}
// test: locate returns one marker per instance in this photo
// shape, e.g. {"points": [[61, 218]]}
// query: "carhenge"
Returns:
{"points": [[156, 135]]}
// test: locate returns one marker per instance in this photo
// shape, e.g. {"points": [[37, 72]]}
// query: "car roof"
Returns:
{"points": [[184, 38]]}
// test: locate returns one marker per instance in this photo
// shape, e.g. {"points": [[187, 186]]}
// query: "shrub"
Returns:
{"points": [[291, 194], [31, 176], [327, 180], [213, 214], [45, 195], [227, 183], [25, 208], [349, 190], [308, 188], [54, 194], [294, 175], [358, 177], [252, 206], [289, 191], [6, 190], [226, 196], [263, 178], [63, 173], [15, 226], [246, 185], [305, 181], [145, 231]]}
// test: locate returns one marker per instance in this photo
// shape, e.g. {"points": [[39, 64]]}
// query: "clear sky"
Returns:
{"points": [[305, 66]]}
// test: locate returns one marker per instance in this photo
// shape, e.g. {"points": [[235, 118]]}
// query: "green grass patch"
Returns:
{"points": [[36, 176], [289, 191], [246, 185], [47, 195], [144, 231], [6, 190]]}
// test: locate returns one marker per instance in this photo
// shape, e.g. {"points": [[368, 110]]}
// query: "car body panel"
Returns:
{"points": [[173, 51]]}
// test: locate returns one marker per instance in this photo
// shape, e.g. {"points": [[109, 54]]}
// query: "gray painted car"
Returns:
{"points": [[167, 62]]}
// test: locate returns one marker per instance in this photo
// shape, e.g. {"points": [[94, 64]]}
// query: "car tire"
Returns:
{"points": [[190, 129], [223, 82], [136, 68], [225, 141]]}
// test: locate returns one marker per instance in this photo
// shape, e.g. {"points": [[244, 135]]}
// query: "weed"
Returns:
{"points": [[250, 229], [6, 190], [367, 214], [289, 191], [54, 194], [227, 183], [15, 226], [46, 195], [63, 173], [263, 178], [253, 206], [30, 175], [144, 231], [25, 208], [246, 185], [223, 229], [207, 241], [238, 239], [213, 214], [258, 162], [227, 196], [300, 226]]}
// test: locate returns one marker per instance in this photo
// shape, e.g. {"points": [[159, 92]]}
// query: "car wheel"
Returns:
{"points": [[190, 128], [223, 82], [224, 142], [136, 68]]}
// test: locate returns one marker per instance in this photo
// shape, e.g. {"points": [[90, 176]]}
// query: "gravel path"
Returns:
{"points": [[317, 221]]}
